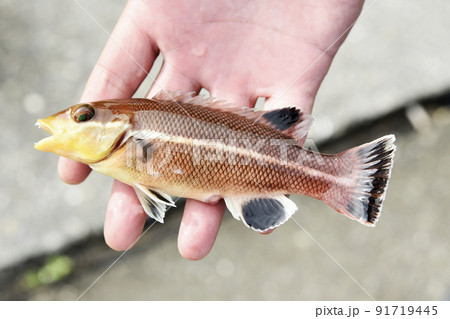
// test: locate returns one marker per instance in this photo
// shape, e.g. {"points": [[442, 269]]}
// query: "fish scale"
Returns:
{"points": [[204, 149]]}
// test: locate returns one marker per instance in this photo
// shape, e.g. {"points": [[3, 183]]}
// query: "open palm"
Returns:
{"points": [[239, 51]]}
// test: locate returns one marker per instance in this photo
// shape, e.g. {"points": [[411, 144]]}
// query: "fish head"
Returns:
{"points": [[85, 132]]}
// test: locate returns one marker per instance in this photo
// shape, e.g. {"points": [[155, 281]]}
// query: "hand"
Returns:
{"points": [[238, 50]]}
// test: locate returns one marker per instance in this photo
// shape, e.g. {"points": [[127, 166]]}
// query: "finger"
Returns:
{"points": [[170, 79], [236, 98], [122, 66], [199, 227], [124, 219], [125, 60], [72, 172], [291, 97]]}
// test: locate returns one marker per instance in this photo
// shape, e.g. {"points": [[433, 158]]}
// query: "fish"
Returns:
{"points": [[182, 145]]}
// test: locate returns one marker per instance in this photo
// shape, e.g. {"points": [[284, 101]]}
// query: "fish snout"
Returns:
{"points": [[45, 125], [46, 144]]}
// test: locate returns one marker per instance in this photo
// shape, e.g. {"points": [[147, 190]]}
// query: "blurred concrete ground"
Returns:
{"points": [[395, 54]]}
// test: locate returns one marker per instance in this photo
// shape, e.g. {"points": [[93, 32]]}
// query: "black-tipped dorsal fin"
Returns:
{"points": [[291, 121]]}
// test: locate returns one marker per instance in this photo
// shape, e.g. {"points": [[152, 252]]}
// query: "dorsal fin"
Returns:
{"points": [[191, 98], [291, 121]]}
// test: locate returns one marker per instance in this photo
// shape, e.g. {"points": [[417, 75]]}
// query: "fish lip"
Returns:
{"points": [[44, 125], [43, 144]]}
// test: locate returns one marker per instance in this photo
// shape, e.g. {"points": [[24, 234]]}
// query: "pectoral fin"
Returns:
{"points": [[261, 213], [154, 203]]}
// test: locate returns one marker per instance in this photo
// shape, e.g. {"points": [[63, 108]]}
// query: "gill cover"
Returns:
{"points": [[84, 132]]}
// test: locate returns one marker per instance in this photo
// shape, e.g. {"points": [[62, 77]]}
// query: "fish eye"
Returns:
{"points": [[83, 113]]}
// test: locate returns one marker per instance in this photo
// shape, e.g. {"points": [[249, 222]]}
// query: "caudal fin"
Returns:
{"points": [[363, 192]]}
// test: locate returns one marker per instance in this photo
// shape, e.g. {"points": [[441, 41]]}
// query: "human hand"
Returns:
{"points": [[238, 50]]}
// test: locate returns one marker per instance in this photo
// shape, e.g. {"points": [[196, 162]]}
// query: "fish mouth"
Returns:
{"points": [[46, 143], [43, 124]]}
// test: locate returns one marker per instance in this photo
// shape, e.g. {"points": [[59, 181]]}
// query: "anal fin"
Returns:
{"points": [[261, 213], [153, 202]]}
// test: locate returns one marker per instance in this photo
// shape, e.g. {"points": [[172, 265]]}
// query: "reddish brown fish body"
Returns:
{"points": [[189, 147], [217, 151]]}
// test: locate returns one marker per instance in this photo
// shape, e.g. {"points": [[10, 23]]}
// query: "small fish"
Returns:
{"points": [[194, 147]]}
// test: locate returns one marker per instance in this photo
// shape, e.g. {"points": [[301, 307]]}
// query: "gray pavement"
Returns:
{"points": [[396, 53]]}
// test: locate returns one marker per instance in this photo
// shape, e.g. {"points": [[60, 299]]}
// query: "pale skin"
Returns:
{"points": [[239, 51]]}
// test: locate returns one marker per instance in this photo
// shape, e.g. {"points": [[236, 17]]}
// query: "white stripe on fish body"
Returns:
{"points": [[147, 137]]}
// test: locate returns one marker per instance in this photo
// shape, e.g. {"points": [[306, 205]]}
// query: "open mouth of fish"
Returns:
{"points": [[40, 145], [44, 125]]}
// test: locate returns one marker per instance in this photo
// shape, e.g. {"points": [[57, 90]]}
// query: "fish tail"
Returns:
{"points": [[360, 194]]}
